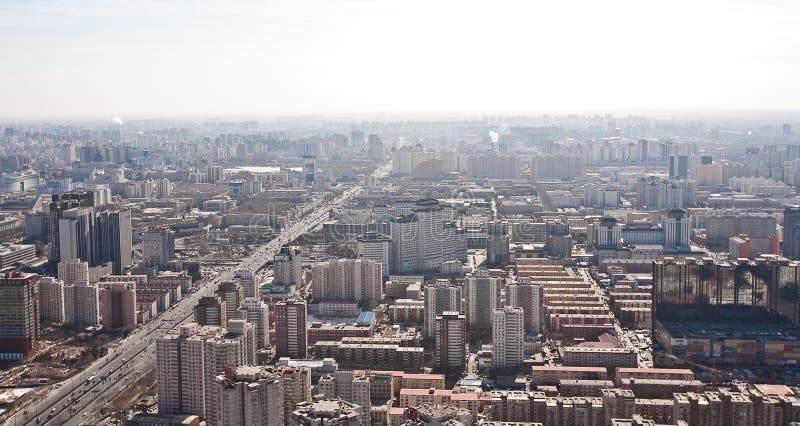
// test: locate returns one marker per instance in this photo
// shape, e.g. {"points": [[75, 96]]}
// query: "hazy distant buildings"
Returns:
{"points": [[497, 242], [158, 246], [791, 233]]}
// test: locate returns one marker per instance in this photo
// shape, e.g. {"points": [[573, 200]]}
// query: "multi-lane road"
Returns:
{"points": [[79, 399]]}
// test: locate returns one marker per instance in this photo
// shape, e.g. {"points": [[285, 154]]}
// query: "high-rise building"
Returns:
{"points": [[247, 280], [349, 386], [677, 230], [375, 246], [508, 333], [114, 233], [233, 295], [248, 395], [376, 148], [81, 303], [19, 315], [497, 242], [211, 310], [118, 305], [73, 271], [158, 246], [291, 334], [188, 360], [482, 297], [451, 334], [440, 298], [51, 300], [358, 280], [256, 312], [58, 205], [425, 237], [791, 233], [296, 388], [163, 188], [529, 297], [76, 230], [288, 266]]}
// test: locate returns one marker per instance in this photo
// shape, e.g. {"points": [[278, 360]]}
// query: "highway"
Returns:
{"points": [[78, 401]]}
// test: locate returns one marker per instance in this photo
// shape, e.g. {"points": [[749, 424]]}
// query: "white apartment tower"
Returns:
{"points": [[508, 333], [375, 246], [256, 312], [288, 266], [358, 280], [51, 300], [440, 298]]}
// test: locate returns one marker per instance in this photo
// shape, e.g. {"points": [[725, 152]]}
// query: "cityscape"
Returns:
{"points": [[284, 260]]}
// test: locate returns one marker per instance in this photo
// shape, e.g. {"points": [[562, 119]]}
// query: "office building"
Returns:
{"points": [[77, 238], [677, 230], [359, 280], [375, 246], [211, 310], [482, 297], [158, 246], [19, 316], [529, 297], [440, 298], [58, 205], [451, 334], [248, 395], [114, 233], [118, 305], [256, 312], [508, 332], [291, 333], [497, 242], [791, 233], [288, 266], [51, 300]]}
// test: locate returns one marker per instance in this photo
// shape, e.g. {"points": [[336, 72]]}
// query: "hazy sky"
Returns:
{"points": [[148, 58]]}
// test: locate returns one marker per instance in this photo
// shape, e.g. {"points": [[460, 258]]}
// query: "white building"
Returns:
{"points": [[440, 298], [51, 300], [82, 304], [256, 312], [375, 246], [508, 332], [348, 279], [288, 266]]}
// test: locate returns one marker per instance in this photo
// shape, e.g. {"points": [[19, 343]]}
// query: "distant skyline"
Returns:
{"points": [[149, 59]]}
